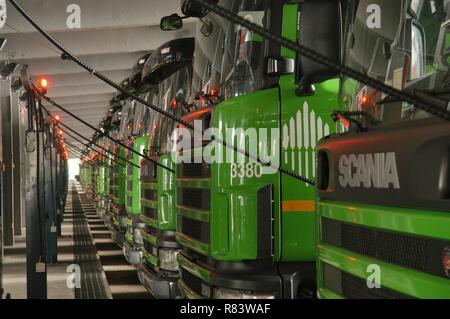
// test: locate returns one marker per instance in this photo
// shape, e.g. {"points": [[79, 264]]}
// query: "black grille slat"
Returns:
{"points": [[354, 287], [152, 230], [149, 248], [193, 282], [405, 250], [195, 229], [195, 197], [129, 170], [129, 186], [149, 194], [198, 170], [150, 212], [394, 248]]}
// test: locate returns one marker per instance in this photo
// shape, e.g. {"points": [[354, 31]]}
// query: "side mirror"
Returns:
{"points": [[171, 23], [320, 31], [193, 9]]}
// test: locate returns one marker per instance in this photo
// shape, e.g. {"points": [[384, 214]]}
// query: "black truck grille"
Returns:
{"points": [[149, 194], [195, 229], [195, 283], [129, 170], [194, 197], [149, 248], [152, 230], [199, 170], [353, 287], [414, 252], [149, 212], [129, 186]]}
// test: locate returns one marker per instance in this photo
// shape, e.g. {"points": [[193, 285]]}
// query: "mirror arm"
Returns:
{"points": [[305, 88]]}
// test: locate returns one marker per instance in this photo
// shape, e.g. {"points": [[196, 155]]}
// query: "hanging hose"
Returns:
{"points": [[66, 54]]}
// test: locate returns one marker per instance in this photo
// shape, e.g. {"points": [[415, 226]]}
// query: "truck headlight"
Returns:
{"points": [[220, 293], [138, 237], [123, 222], [168, 259]]}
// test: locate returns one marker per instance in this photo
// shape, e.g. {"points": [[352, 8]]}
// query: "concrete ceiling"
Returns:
{"points": [[112, 36]]}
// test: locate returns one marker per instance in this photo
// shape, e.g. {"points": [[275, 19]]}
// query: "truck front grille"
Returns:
{"points": [[129, 170], [195, 283], [149, 194], [409, 251], [149, 248], [353, 287], [199, 170], [195, 229], [152, 230], [149, 212], [194, 197]]}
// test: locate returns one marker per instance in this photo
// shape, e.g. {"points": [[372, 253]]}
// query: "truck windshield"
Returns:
{"points": [[124, 120], [171, 93], [228, 57], [404, 43], [142, 116]]}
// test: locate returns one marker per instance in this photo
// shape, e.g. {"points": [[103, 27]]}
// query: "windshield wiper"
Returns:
{"points": [[347, 118]]}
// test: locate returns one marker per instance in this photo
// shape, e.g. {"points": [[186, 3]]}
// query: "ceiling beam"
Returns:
{"points": [[101, 63], [94, 14], [81, 78], [91, 42]]}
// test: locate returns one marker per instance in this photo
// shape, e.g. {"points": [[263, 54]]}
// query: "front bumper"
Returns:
{"points": [[160, 287], [197, 282], [118, 236], [132, 253]]}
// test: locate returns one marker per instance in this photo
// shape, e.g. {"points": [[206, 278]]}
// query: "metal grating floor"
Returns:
{"points": [[93, 279]]}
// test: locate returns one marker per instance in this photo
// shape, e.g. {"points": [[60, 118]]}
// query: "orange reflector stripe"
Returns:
{"points": [[298, 205]]}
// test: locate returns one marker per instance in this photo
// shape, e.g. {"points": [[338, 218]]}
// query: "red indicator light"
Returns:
{"points": [[365, 100], [43, 83]]}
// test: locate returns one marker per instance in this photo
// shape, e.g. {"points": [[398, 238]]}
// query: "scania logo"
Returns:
{"points": [[378, 170], [446, 260]]}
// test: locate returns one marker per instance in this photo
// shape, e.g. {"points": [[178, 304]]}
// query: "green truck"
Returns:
{"points": [[139, 119], [104, 178], [247, 230], [384, 187], [115, 170], [169, 68], [118, 216]]}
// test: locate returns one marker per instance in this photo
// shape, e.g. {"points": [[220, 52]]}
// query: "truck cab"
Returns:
{"points": [[246, 229], [170, 69], [118, 211], [383, 186], [138, 121]]}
